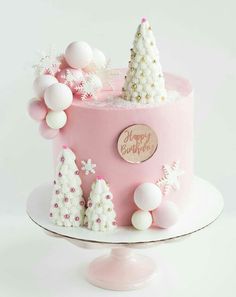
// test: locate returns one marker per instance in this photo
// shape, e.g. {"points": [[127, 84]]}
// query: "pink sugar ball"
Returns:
{"points": [[78, 54], [73, 78], [37, 109], [46, 131], [166, 215], [58, 97], [42, 82]]}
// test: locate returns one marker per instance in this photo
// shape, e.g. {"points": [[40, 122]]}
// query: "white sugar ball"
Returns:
{"points": [[141, 220], [166, 215], [56, 119], [58, 97], [99, 58], [42, 82], [147, 196], [78, 54]]}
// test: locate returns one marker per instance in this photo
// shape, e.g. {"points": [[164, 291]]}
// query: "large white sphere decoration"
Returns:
{"points": [[78, 54], [42, 82], [58, 97], [147, 196], [56, 119], [98, 61], [141, 220], [166, 215], [99, 58]]}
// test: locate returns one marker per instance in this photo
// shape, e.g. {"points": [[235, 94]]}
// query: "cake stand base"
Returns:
{"points": [[121, 270]]}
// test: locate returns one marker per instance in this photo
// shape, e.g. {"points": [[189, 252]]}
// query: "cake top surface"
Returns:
{"points": [[81, 76]]}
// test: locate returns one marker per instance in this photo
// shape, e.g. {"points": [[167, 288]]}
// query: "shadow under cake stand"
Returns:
{"points": [[123, 269]]}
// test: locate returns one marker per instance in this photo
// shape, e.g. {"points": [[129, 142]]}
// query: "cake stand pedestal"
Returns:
{"points": [[123, 269]]}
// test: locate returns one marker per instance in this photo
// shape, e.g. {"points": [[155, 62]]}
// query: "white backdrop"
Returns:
{"points": [[196, 39]]}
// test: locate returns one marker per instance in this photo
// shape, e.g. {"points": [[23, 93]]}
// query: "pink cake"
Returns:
{"points": [[133, 130]]}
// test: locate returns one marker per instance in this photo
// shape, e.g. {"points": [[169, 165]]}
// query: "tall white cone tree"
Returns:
{"points": [[144, 81], [67, 204], [100, 213]]}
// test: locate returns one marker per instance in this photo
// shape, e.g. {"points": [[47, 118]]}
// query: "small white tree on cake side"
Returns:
{"points": [[144, 81], [100, 213], [67, 204]]}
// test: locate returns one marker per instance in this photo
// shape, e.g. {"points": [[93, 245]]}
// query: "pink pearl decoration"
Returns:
{"points": [[66, 199], [66, 216], [47, 132], [71, 77], [166, 215], [37, 109], [56, 205], [81, 203], [98, 221], [72, 190], [144, 19], [77, 219]]}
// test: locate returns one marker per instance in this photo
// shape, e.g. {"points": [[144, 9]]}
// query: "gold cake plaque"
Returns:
{"points": [[137, 143]]}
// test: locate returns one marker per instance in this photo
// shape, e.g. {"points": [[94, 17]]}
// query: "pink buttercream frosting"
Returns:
{"points": [[92, 132]]}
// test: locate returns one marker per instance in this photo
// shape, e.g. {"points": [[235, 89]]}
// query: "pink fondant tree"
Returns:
{"points": [[67, 204]]}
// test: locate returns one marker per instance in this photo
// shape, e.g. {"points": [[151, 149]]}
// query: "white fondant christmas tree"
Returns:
{"points": [[100, 213], [67, 204], [144, 81]]}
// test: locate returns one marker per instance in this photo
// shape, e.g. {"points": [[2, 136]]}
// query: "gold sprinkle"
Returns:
{"points": [[125, 76], [134, 87], [139, 34], [131, 69], [154, 61], [123, 89], [131, 49], [138, 97]]}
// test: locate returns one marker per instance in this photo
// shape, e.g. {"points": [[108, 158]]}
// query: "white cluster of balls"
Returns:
{"points": [[152, 208], [55, 95]]}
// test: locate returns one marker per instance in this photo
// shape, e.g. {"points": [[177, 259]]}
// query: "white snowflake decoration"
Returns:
{"points": [[88, 167], [170, 180], [49, 63], [71, 79], [89, 87], [108, 75]]}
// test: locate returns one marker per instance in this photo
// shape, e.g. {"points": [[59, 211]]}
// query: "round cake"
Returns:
{"points": [[93, 129], [122, 138]]}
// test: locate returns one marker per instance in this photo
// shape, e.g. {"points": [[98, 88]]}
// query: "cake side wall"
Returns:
{"points": [[92, 133]]}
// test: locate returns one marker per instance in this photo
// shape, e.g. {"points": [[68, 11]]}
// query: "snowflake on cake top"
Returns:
{"points": [[70, 78], [49, 63], [88, 166], [170, 179], [108, 75], [90, 86]]}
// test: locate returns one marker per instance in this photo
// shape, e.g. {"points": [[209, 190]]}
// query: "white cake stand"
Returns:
{"points": [[123, 269]]}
